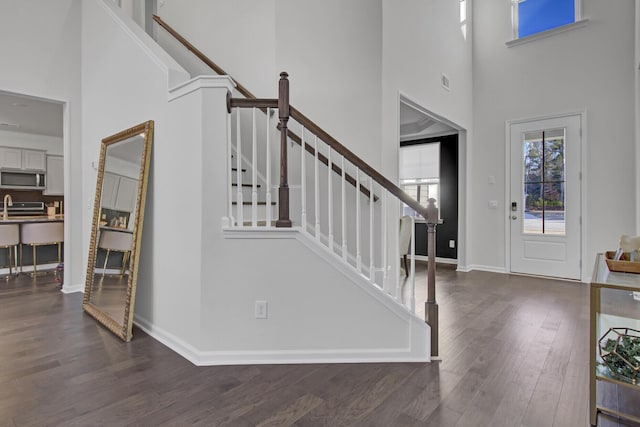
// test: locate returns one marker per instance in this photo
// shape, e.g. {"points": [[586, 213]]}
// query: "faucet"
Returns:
{"points": [[7, 202]]}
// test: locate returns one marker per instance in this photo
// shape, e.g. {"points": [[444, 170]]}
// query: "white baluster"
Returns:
{"points": [[239, 199], [396, 252], [317, 187], [330, 200], [229, 174], [358, 223], [372, 271], [344, 211], [268, 198], [303, 183], [254, 172], [412, 274], [385, 245]]}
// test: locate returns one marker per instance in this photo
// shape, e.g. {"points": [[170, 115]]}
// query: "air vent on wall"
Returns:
{"points": [[444, 80], [9, 125]]}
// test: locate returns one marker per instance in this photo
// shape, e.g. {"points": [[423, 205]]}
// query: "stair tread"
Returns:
{"points": [[245, 185], [260, 223], [259, 203]]}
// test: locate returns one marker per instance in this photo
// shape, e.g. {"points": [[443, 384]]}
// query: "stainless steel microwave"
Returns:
{"points": [[24, 180]]}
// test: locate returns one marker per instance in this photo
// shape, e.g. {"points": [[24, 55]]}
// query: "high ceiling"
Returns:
{"points": [[415, 124], [30, 115]]}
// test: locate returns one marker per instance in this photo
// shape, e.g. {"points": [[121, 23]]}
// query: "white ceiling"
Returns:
{"points": [[30, 115], [415, 124]]}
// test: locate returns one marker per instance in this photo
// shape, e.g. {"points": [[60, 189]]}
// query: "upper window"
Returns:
{"points": [[535, 16]]}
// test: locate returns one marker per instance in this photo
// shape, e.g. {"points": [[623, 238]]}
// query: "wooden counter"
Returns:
{"points": [[31, 218]]}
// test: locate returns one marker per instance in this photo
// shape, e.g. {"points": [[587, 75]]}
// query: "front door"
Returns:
{"points": [[544, 210]]}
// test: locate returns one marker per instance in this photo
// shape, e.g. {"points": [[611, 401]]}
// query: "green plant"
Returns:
{"points": [[620, 351]]}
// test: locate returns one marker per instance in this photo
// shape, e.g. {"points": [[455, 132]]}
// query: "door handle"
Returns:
{"points": [[514, 217]]}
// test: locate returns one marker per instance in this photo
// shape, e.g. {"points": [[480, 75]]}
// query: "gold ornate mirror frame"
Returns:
{"points": [[119, 325]]}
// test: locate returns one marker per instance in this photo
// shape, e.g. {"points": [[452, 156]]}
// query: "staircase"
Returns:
{"points": [[243, 191], [338, 200], [306, 225]]}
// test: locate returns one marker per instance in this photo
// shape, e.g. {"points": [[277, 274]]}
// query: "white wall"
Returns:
{"points": [[422, 40], [331, 49], [40, 44], [587, 69], [50, 144], [124, 84], [239, 36]]}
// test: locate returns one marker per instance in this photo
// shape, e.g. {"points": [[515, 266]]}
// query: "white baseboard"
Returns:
{"points": [[174, 343], [488, 268], [268, 357], [70, 289], [440, 260], [290, 357]]}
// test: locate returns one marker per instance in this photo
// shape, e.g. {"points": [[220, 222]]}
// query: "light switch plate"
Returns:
{"points": [[260, 310]]}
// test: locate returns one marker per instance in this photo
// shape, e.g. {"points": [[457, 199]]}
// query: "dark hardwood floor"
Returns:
{"points": [[514, 353]]}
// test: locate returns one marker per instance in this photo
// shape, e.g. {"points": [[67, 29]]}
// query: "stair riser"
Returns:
{"points": [[261, 211]]}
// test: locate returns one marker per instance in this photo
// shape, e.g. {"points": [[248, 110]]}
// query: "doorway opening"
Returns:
{"points": [[32, 157], [432, 164]]}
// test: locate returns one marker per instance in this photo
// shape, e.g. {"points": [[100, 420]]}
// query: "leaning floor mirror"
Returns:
{"points": [[114, 249]]}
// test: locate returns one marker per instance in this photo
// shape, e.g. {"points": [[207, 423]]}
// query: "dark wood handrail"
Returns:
{"points": [[337, 147], [201, 56], [337, 169], [357, 161], [252, 103], [273, 103], [246, 103]]}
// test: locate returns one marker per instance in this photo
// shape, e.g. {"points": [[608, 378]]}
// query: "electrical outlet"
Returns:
{"points": [[445, 82], [261, 310], [452, 244]]}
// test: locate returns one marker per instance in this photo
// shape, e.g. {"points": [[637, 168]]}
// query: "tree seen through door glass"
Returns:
{"points": [[544, 175]]}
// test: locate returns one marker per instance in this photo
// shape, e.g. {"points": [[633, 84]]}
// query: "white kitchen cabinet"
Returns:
{"points": [[127, 192], [119, 192], [109, 190], [10, 158], [18, 158], [34, 160], [55, 176]]}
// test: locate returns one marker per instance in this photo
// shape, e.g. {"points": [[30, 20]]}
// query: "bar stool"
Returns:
{"points": [[38, 234], [116, 241], [9, 239]]}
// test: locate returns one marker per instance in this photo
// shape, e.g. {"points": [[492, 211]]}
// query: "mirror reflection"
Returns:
{"points": [[117, 224]]}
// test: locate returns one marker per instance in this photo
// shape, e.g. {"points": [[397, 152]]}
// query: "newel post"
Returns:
{"points": [[283, 190], [431, 306]]}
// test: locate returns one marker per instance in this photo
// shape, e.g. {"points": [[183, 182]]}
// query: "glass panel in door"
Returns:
{"points": [[543, 182]]}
